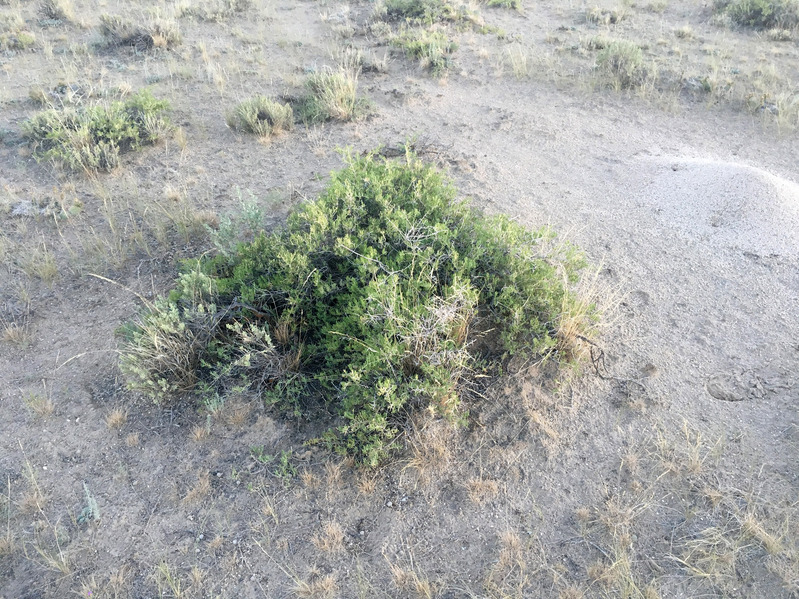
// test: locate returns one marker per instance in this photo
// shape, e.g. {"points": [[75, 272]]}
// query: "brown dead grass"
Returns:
{"points": [[331, 538], [116, 418], [200, 490]]}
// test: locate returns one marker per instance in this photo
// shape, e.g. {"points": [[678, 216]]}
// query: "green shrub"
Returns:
{"points": [[431, 48], [761, 14], [373, 297], [262, 116], [92, 138], [621, 61]]}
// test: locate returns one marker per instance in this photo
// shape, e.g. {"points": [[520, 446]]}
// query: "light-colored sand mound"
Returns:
{"points": [[727, 204]]}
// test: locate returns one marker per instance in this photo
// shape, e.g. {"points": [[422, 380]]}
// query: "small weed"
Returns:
{"points": [[518, 57], [92, 138], [168, 580], [261, 116], [41, 264], [282, 469], [240, 227], [91, 512]]}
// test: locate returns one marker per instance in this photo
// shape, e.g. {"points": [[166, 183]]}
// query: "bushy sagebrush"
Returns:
{"points": [[761, 14], [373, 296], [92, 138]]}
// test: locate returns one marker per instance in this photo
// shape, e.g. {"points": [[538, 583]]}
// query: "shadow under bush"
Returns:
{"points": [[371, 296]]}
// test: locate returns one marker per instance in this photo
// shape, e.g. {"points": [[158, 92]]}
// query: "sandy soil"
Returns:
{"points": [[665, 468]]}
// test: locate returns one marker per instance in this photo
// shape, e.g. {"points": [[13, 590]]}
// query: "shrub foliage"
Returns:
{"points": [[92, 138], [371, 297], [761, 14]]}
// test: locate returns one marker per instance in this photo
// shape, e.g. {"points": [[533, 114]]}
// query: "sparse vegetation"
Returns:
{"points": [[376, 287], [262, 116], [92, 138]]}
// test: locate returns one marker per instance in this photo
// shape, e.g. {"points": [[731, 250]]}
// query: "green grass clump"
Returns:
{"points": [[262, 116], [761, 14], [513, 4], [621, 62], [432, 49], [332, 95], [422, 11], [93, 138], [375, 297]]}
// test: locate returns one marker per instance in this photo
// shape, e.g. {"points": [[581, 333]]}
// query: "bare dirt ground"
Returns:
{"points": [[666, 467]]}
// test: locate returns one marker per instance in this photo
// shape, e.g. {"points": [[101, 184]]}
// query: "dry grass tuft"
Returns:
{"points": [[331, 539], [321, 587], [16, 333], [200, 490], [333, 474], [132, 440], [41, 406], [309, 479], [409, 579], [752, 527], [57, 10], [116, 418], [200, 433], [154, 32], [235, 412], [431, 443], [482, 489]]}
